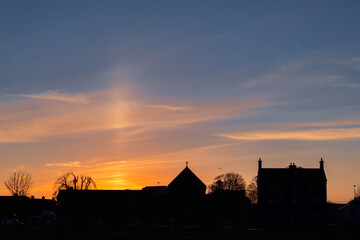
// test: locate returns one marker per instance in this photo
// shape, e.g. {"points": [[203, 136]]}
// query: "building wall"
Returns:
{"points": [[286, 201]]}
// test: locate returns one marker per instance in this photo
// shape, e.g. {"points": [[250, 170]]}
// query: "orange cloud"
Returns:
{"points": [[327, 134], [52, 114], [66, 164], [121, 139]]}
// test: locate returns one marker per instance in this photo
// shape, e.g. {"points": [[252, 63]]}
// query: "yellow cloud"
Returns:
{"points": [[65, 164]]}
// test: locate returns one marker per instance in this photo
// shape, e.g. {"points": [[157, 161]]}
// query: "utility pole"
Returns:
{"points": [[354, 191]]}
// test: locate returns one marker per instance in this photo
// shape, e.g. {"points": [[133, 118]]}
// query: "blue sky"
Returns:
{"points": [[175, 48], [271, 66]]}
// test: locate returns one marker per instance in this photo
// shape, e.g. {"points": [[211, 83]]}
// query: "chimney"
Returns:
{"points": [[321, 164], [292, 166], [260, 164]]}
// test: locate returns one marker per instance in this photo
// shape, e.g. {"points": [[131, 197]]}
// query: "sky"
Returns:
{"points": [[127, 92]]}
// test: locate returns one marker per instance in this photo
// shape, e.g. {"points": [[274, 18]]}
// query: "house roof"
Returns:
{"points": [[186, 178], [353, 202], [300, 174]]}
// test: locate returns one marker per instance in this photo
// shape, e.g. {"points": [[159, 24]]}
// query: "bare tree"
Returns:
{"points": [[19, 183], [252, 190], [71, 181], [229, 181], [86, 182]]}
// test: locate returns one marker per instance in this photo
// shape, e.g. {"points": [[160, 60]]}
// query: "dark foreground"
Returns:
{"points": [[178, 234]]}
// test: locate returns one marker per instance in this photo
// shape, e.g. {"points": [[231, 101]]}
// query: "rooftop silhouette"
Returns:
{"points": [[292, 195], [287, 197]]}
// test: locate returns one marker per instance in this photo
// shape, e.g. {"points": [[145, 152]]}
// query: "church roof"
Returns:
{"points": [[186, 178]]}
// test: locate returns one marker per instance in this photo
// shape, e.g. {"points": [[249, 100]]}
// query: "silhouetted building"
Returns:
{"points": [[88, 207], [186, 198], [350, 213], [29, 211], [291, 196], [158, 190], [187, 184], [182, 202], [228, 208]]}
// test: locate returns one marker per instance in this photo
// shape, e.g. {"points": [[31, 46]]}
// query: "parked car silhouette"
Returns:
{"points": [[11, 222]]}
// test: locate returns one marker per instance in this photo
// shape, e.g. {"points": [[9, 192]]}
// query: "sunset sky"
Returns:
{"points": [[128, 91]]}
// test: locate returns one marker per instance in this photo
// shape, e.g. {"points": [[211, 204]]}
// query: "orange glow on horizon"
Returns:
{"points": [[124, 141]]}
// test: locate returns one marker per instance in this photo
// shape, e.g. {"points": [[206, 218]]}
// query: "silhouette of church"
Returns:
{"points": [[183, 202], [187, 184], [292, 195], [180, 202]]}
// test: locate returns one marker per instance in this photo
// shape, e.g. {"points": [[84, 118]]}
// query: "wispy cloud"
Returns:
{"points": [[353, 62], [313, 131], [346, 85], [172, 108], [304, 135], [56, 96], [295, 76], [110, 163], [302, 76], [49, 114], [65, 164]]}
